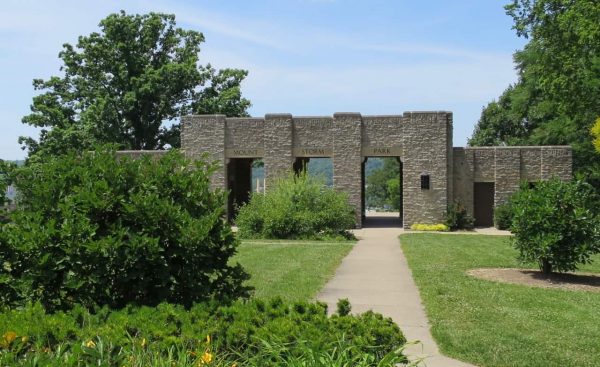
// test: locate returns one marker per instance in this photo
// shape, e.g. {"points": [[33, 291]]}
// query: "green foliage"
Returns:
{"points": [[6, 168], [555, 100], [254, 333], [383, 185], [503, 216], [120, 84], [296, 207], [556, 225], [595, 131], [344, 307], [458, 218], [98, 229]]}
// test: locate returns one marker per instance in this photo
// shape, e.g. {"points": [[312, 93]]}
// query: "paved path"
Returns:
{"points": [[375, 276]]}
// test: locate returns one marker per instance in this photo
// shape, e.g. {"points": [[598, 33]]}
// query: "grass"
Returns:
{"points": [[292, 270], [494, 324]]}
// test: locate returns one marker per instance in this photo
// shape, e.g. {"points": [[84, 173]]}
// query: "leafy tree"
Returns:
{"points": [[556, 98], [383, 185], [97, 229], [556, 224], [5, 179], [120, 85]]}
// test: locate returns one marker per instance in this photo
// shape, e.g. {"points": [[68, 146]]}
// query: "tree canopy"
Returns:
{"points": [[383, 185], [127, 84], [557, 97]]}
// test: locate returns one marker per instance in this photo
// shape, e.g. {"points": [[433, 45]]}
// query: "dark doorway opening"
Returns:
{"points": [[240, 177], [382, 201], [483, 200]]}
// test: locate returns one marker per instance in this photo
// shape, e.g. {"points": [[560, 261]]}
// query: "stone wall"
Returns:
{"points": [[425, 152], [421, 140], [507, 167], [347, 158], [202, 135]]}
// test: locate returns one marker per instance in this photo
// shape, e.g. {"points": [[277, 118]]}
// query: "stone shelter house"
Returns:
{"points": [[434, 174]]}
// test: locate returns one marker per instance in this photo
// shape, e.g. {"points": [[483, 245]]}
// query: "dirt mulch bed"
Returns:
{"points": [[534, 278]]}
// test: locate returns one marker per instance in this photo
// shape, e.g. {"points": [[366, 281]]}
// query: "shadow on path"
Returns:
{"points": [[382, 222]]}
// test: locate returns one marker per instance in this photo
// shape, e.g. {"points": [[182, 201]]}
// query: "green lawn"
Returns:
{"points": [[493, 324], [293, 270]]}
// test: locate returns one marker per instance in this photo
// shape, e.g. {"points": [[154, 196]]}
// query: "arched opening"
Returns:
{"points": [[382, 198]]}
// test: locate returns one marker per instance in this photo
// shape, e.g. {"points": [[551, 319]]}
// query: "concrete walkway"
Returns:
{"points": [[375, 276]]}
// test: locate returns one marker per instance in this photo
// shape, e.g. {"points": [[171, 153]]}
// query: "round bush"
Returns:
{"points": [[98, 229], [503, 216], [296, 207], [556, 225], [458, 218]]}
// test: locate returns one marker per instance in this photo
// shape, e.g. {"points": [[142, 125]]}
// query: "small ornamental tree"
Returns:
{"points": [[556, 224], [301, 207], [98, 229]]}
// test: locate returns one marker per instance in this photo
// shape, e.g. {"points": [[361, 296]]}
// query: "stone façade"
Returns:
{"points": [[421, 140]]}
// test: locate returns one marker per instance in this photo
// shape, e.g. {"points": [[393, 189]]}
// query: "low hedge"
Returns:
{"points": [[239, 332], [440, 227]]}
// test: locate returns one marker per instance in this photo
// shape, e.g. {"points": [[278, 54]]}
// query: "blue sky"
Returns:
{"points": [[305, 57]]}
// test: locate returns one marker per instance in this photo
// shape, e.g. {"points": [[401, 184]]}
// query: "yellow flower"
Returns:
{"points": [[9, 336], [90, 344], [207, 358], [24, 339], [143, 343], [208, 339]]}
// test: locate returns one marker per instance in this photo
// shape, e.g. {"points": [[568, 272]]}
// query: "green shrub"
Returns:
{"points": [[503, 215], [261, 333], [100, 230], [344, 307], [458, 218], [5, 179], [296, 207], [556, 224]]}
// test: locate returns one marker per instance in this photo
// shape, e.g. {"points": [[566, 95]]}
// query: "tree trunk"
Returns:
{"points": [[546, 267]]}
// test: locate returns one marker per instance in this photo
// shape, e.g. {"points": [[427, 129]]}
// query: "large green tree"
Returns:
{"points": [[383, 185], [127, 84], [557, 97]]}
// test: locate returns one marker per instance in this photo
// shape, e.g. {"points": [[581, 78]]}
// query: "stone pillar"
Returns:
{"points": [[425, 153], [278, 157], [206, 135], [464, 167], [507, 173], [449, 154], [347, 158]]}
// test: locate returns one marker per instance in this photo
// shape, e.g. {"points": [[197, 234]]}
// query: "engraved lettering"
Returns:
{"points": [[557, 152], [313, 152], [382, 151], [244, 153]]}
